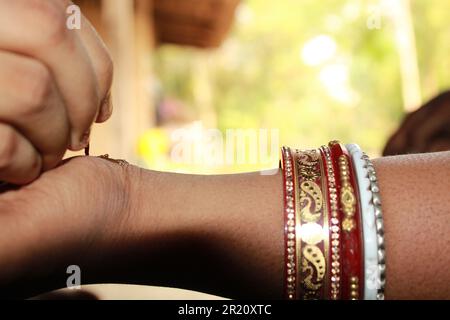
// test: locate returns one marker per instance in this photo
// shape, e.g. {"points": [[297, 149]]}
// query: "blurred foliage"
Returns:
{"points": [[259, 79]]}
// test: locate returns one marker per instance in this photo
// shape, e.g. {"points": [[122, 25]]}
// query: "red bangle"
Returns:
{"points": [[334, 222], [352, 281], [290, 254]]}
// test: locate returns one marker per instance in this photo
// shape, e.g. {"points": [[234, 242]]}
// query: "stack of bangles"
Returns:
{"points": [[333, 225]]}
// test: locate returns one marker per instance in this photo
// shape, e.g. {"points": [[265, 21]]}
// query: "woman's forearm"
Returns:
{"points": [[415, 191], [224, 234], [217, 234]]}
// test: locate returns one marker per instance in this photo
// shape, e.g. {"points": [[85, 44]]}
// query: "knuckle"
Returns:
{"points": [[8, 146], [52, 22], [37, 87]]}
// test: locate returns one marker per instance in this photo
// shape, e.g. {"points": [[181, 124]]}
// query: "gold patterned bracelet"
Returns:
{"points": [[311, 224]]}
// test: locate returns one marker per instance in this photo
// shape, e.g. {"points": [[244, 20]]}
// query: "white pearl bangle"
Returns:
{"points": [[368, 193]]}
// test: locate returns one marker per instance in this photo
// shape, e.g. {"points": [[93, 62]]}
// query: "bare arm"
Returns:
{"points": [[224, 234], [415, 190], [237, 221]]}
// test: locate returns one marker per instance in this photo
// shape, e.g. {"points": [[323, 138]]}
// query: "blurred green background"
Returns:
{"points": [[315, 70]]}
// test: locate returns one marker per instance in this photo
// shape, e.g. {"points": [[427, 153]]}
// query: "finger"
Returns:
{"points": [[103, 67], [101, 61], [19, 161], [31, 102], [42, 33]]}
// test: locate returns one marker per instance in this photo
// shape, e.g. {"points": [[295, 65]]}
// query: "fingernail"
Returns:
{"points": [[78, 144]]}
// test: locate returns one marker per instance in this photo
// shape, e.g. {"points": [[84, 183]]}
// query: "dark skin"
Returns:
{"points": [[216, 234]]}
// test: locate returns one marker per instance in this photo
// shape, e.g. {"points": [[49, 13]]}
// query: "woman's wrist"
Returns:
{"points": [[213, 234], [70, 216]]}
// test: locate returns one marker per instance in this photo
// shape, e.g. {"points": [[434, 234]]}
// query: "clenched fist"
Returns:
{"points": [[54, 83]]}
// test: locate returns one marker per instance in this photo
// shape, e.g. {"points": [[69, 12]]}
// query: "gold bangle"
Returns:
{"points": [[311, 224]]}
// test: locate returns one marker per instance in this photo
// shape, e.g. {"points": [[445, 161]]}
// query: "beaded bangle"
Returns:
{"points": [[351, 238], [371, 273], [312, 224], [290, 263], [376, 201], [334, 222]]}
